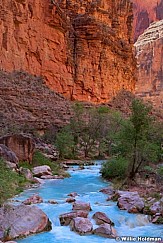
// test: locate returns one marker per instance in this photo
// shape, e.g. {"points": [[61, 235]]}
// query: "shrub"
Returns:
{"points": [[115, 168], [11, 183]]}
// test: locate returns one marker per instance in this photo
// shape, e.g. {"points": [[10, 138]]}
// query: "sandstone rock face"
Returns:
{"points": [[149, 54], [22, 145], [146, 12], [8, 155], [23, 220], [83, 49]]}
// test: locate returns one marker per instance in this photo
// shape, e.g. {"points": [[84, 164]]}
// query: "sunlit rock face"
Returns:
{"points": [[83, 49], [149, 53], [146, 12]]}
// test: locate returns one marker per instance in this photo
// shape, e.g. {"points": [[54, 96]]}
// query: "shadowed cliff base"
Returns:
{"points": [[27, 104]]}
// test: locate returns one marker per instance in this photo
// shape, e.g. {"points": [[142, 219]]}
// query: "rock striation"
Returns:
{"points": [[146, 12], [149, 54], [27, 104], [83, 49]]}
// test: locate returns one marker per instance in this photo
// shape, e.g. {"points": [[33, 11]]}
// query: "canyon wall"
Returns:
{"points": [[149, 53], [146, 12], [83, 49]]}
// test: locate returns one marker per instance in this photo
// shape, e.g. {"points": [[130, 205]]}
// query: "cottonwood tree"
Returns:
{"points": [[135, 141]]}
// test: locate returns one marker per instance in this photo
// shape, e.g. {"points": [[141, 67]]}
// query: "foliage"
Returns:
{"points": [[115, 167], [160, 171], [40, 159], [11, 183], [65, 143], [134, 141]]}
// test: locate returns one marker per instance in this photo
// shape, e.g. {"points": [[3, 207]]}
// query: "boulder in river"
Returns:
{"points": [[78, 205], [130, 201], [105, 230], [22, 220], [81, 225], [101, 218], [73, 194], [42, 170], [70, 200], [34, 199], [108, 190], [66, 218]]}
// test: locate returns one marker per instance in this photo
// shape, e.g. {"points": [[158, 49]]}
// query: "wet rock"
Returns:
{"points": [[155, 208], [22, 220], [157, 219], [81, 206], [101, 218], [73, 194], [26, 172], [81, 225], [66, 218], [52, 201], [130, 201], [8, 155], [52, 177], [108, 190], [42, 170], [22, 145], [70, 200], [105, 230], [34, 199]]}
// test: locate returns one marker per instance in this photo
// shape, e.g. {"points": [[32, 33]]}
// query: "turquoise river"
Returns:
{"points": [[87, 184]]}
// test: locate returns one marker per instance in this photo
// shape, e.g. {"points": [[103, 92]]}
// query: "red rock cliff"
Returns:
{"points": [[146, 12], [83, 49], [149, 53]]}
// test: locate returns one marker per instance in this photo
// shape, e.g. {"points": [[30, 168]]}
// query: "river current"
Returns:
{"points": [[87, 184]]}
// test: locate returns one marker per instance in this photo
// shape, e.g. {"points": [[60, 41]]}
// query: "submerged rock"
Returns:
{"points": [[70, 200], [78, 205], [22, 220], [81, 225], [73, 194], [34, 199], [105, 230], [52, 201], [101, 218], [66, 218]]}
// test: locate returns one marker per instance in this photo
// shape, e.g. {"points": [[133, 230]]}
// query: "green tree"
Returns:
{"points": [[65, 143], [134, 141], [87, 126]]}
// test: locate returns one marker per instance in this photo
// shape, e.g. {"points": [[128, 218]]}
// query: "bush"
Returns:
{"points": [[11, 183], [40, 159], [115, 168]]}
